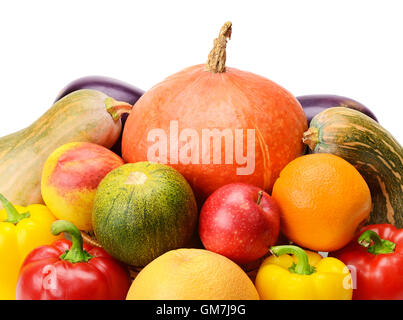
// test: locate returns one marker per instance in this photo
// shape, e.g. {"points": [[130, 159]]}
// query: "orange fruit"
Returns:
{"points": [[323, 201], [192, 274]]}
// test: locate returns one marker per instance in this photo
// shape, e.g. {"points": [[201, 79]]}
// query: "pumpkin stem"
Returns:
{"points": [[117, 108], [311, 137], [217, 56]]}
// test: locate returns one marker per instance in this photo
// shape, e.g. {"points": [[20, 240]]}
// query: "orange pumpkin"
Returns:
{"points": [[258, 125]]}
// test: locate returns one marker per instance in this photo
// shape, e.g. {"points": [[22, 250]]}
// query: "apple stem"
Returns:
{"points": [[259, 198]]}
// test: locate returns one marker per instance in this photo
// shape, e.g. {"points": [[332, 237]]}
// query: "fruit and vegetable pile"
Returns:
{"points": [[111, 195]]}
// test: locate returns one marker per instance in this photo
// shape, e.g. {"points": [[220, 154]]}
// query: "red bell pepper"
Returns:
{"points": [[69, 270], [375, 260]]}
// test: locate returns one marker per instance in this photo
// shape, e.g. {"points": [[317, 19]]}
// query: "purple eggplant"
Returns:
{"points": [[314, 104], [114, 88]]}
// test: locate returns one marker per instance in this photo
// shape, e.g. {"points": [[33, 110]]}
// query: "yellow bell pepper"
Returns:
{"points": [[303, 275], [22, 229]]}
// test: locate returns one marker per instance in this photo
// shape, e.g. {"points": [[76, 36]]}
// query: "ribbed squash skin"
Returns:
{"points": [[371, 149], [142, 210], [79, 116]]}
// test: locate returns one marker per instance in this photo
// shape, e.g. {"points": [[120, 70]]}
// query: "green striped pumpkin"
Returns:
{"points": [[83, 115], [142, 210], [371, 149]]}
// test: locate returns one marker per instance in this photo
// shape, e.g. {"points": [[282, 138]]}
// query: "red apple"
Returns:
{"points": [[239, 221]]}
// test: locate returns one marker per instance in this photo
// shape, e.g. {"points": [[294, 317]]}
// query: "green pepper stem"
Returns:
{"points": [[302, 266], [76, 252], [379, 246], [13, 216]]}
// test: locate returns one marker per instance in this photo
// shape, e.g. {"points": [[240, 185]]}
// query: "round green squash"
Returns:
{"points": [[142, 210]]}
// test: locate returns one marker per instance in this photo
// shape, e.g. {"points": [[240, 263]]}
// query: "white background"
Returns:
{"points": [[351, 48]]}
